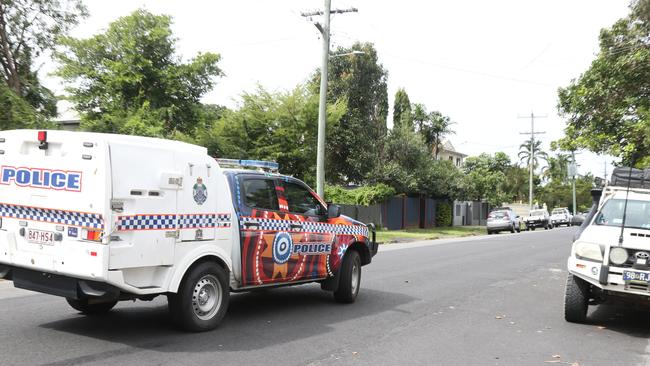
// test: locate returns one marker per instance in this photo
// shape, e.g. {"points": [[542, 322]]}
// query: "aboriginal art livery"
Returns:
{"points": [[280, 246]]}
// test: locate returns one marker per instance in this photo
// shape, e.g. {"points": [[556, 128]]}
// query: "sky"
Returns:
{"points": [[485, 64]]}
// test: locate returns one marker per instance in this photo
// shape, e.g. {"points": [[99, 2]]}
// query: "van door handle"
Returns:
{"points": [[295, 226], [251, 224]]}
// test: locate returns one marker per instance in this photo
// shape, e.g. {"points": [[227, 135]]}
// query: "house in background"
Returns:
{"points": [[448, 152]]}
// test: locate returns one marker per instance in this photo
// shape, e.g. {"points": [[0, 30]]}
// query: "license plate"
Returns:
{"points": [[636, 276], [40, 237]]}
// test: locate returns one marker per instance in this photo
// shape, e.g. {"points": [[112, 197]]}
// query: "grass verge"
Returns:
{"points": [[396, 236]]}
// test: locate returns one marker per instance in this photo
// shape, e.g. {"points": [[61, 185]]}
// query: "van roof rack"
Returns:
{"points": [[267, 166]]}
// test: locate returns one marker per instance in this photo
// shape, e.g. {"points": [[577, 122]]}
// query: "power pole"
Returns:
{"points": [[573, 171], [324, 29], [531, 158]]}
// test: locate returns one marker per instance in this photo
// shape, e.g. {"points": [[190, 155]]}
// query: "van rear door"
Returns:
{"points": [[52, 201]]}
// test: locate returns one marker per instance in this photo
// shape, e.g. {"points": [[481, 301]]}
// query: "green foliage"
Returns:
{"points": [[557, 168], [485, 178], [402, 110], [559, 194], [16, 113], [28, 28], [365, 195], [528, 152], [608, 106], [281, 126], [443, 214], [129, 80], [354, 144], [409, 167]]}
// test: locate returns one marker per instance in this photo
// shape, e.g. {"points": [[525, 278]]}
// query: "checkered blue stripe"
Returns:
{"points": [[71, 218], [146, 222], [170, 222], [307, 226]]}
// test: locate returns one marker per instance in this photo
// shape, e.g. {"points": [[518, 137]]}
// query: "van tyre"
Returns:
{"points": [[576, 300], [202, 298], [86, 308], [350, 280]]}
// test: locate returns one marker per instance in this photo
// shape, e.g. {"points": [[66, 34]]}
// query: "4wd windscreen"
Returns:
{"points": [[536, 213], [498, 215], [637, 216], [557, 212]]}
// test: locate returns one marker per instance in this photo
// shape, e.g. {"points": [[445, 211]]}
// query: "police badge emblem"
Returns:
{"points": [[199, 191]]}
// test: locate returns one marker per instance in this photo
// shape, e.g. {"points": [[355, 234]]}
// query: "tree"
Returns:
{"points": [[559, 194], [528, 152], [557, 168], [438, 127], [129, 80], [402, 110], [279, 126], [354, 144], [608, 106], [27, 29], [409, 168], [485, 178]]}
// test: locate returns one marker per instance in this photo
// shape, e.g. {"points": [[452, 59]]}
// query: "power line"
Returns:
{"points": [[531, 157]]}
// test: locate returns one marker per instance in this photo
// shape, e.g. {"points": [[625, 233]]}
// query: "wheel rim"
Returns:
{"points": [[356, 274], [206, 298]]}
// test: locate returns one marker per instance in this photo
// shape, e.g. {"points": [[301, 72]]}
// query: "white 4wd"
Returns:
{"points": [[100, 218], [611, 258]]}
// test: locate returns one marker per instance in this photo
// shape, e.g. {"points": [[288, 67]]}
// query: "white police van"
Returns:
{"points": [[100, 218], [610, 258]]}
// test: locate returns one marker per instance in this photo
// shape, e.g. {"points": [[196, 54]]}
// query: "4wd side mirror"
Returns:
{"points": [[333, 211]]}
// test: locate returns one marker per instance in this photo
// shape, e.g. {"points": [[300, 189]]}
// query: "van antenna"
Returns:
{"points": [[627, 194]]}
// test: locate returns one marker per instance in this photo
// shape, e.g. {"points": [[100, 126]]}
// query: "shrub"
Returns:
{"points": [[366, 195], [443, 214]]}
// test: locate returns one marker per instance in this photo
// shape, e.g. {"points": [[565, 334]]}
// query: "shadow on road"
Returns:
{"points": [[622, 319], [255, 320]]}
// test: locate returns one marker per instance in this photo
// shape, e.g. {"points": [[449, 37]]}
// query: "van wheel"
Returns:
{"points": [[202, 299], [85, 308], [350, 280], [576, 299]]}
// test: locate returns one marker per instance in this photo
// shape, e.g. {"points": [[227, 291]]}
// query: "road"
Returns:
{"points": [[493, 300]]}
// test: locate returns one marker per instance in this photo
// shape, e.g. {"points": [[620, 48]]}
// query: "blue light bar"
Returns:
{"points": [[266, 165]]}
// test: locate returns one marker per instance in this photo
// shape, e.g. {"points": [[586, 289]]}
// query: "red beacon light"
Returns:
{"points": [[42, 139]]}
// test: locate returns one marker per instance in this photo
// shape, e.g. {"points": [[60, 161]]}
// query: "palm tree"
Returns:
{"points": [[557, 168], [526, 153]]}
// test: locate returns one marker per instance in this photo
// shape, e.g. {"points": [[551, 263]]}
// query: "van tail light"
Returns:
{"points": [[42, 139], [92, 235]]}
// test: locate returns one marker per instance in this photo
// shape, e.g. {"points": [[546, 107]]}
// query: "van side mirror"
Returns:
{"points": [[333, 211]]}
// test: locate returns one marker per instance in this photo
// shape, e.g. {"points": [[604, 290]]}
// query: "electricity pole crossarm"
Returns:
{"points": [[531, 157], [324, 29]]}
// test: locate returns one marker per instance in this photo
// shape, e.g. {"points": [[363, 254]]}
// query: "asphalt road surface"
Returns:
{"points": [[493, 300]]}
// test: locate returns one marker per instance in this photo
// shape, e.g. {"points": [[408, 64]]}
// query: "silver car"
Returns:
{"points": [[503, 219]]}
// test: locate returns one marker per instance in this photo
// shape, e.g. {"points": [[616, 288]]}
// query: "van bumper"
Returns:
{"points": [[58, 285]]}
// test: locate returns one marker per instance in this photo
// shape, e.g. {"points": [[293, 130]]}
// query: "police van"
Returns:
{"points": [[100, 218]]}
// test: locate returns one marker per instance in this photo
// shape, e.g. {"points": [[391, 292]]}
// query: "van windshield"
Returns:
{"points": [[637, 217], [558, 211], [537, 213]]}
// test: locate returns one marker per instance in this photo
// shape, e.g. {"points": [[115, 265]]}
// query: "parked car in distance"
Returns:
{"points": [[503, 219], [561, 216], [538, 218]]}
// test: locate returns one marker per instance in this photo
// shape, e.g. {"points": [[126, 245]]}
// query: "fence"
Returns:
{"points": [[396, 213]]}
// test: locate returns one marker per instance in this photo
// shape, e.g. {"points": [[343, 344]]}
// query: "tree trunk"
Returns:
{"points": [[7, 59]]}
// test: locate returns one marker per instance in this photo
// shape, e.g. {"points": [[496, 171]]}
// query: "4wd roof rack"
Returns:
{"points": [[267, 166]]}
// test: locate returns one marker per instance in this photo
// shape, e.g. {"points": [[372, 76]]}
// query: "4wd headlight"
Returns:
{"points": [[618, 255], [589, 251]]}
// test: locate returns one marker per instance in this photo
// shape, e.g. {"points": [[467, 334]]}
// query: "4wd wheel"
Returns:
{"points": [[86, 308], [576, 299], [350, 280], [202, 299]]}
